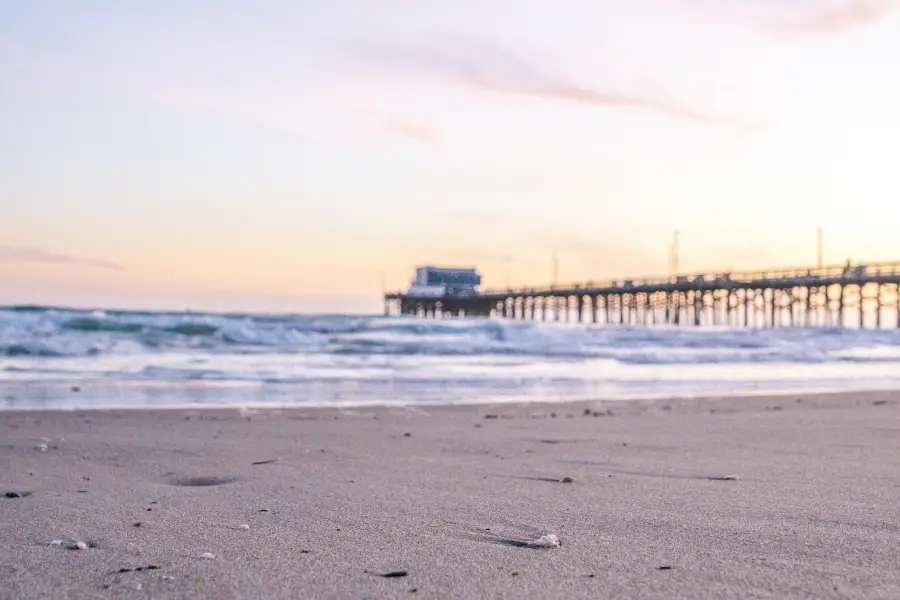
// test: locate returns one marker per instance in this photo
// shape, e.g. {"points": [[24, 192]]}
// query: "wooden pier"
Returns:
{"points": [[865, 296]]}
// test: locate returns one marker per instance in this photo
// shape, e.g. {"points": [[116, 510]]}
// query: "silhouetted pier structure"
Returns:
{"points": [[838, 296]]}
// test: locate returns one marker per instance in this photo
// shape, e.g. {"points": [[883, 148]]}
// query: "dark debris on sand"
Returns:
{"points": [[137, 569], [202, 481], [389, 574]]}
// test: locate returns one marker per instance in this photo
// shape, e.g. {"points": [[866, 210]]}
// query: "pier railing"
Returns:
{"points": [[803, 275]]}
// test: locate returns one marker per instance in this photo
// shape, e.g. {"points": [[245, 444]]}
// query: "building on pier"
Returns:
{"points": [[441, 292], [443, 282]]}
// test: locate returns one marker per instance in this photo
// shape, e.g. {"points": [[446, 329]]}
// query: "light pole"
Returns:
{"points": [[555, 268], [820, 248], [673, 254]]}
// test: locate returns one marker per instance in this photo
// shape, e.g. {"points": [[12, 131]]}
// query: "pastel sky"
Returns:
{"points": [[281, 155]]}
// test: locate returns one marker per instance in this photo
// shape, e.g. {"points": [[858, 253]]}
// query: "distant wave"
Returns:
{"points": [[49, 333], [194, 329], [33, 349], [94, 324]]}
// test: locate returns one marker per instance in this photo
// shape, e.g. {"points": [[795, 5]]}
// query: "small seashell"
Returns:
{"points": [[547, 541], [208, 555], [244, 527]]}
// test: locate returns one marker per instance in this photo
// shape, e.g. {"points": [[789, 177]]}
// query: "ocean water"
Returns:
{"points": [[58, 358]]}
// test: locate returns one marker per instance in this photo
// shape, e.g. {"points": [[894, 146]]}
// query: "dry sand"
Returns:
{"points": [[350, 496]]}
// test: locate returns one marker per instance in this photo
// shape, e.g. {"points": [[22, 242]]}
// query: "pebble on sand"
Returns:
{"points": [[79, 546], [208, 555], [244, 527]]}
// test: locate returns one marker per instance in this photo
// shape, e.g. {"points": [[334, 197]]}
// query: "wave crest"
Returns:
{"points": [[50, 333]]}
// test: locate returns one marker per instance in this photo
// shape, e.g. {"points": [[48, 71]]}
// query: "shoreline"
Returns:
{"points": [[761, 496], [73, 388]]}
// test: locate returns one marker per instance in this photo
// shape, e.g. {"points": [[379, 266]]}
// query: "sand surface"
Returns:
{"points": [[814, 511]]}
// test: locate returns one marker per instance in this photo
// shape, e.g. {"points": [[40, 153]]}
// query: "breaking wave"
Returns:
{"points": [[31, 331], [323, 360]]}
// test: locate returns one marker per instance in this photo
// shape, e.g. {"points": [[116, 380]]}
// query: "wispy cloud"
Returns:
{"points": [[392, 125], [408, 129], [16, 253], [489, 67], [810, 17], [389, 124]]}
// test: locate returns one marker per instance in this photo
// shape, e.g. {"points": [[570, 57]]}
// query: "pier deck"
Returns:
{"points": [[840, 296]]}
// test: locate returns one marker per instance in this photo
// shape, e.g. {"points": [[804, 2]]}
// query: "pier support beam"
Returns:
{"points": [[747, 297], [698, 308], [862, 306], [771, 308], [878, 301], [841, 317]]}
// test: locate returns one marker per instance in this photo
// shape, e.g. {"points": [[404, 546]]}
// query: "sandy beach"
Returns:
{"points": [[760, 497]]}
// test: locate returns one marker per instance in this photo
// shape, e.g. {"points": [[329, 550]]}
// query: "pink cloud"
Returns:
{"points": [[813, 17], [16, 253], [400, 127], [392, 125], [489, 67]]}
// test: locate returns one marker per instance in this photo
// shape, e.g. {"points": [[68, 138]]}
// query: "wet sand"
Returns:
{"points": [[779, 497]]}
